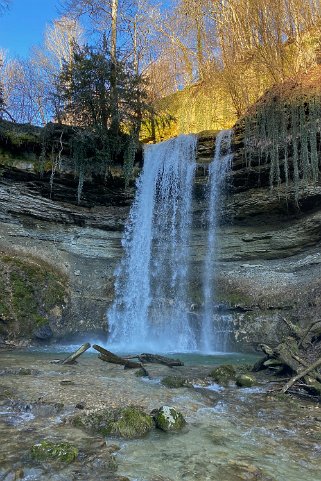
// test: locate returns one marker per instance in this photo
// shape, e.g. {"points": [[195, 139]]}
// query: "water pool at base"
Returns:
{"points": [[232, 434]]}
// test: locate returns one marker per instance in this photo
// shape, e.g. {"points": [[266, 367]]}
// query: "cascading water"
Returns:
{"points": [[150, 309], [213, 334]]}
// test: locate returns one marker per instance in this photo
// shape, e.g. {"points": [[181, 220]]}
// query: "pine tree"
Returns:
{"points": [[87, 100]]}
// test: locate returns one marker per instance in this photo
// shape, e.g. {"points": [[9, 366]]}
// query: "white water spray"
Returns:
{"points": [[212, 327], [150, 308]]}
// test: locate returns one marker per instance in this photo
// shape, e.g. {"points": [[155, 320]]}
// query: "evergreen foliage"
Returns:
{"points": [[105, 132]]}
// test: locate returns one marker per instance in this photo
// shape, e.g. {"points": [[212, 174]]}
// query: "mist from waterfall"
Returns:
{"points": [[213, 326], [150, 311]]}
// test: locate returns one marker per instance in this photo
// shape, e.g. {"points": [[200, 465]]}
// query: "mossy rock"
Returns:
{"points": [[245, 380], [129, 422], [173, 382], [223, 374], [141, 373], [46, 451], [32, 290], [168, 419]]}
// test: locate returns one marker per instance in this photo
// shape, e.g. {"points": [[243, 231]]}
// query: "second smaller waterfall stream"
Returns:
{"points": [[212, 336]]}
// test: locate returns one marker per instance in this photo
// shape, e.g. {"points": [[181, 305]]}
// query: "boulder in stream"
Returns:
{"points": [[46, 451], [169, 419], [245, 380], [130, 422], [223, 374]]}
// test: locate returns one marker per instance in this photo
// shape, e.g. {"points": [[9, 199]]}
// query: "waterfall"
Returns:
{"points": [[150, 308], [213, 334]]}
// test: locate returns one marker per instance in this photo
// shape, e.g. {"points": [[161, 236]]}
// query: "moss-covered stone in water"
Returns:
{"points": [[245, 380], [47, 450], [140, 373], [223, 374], [173, 382], [168, 419], [129, 422]]}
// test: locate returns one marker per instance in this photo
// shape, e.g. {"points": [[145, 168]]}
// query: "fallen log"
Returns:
{"points": [[157, 359], [301, 374], [72, 358], [108, 356]]}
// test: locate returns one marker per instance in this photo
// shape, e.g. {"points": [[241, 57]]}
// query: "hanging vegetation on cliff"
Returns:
{"points": [[283, 131]]}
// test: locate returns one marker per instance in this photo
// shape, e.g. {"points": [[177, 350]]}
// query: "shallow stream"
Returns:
{"points": [[232, 434]]}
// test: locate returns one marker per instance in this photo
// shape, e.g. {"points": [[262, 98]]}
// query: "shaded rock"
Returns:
{"points": [[46, 451], [43, 333], [129, 422], [223, 374], [245, 380], [312, 386], [168, 419]]}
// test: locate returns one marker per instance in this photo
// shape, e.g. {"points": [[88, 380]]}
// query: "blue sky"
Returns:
{"points": [[23, 25]]}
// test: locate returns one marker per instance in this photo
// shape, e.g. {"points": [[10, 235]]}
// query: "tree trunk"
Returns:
{"points": [[113, 76], [108, 356]]}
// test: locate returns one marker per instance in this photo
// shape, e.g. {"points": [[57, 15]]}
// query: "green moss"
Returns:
{"points": [[223, 374], [129, 422], [140, 373], [173, 382], [47, 450], [245, 380], [169, 419], [32, 288], [132, 423]]}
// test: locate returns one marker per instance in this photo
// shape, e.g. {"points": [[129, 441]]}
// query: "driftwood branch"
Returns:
{"points": [[301, 374], [108, 356], [72, 358], [293, 354], [156, 359]]}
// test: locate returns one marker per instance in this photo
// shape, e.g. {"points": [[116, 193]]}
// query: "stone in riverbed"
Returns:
{"points": [[43, 333], [173, 382], [245, 380], [46, 451], [223, 374], [129, 422], [169, 419]]}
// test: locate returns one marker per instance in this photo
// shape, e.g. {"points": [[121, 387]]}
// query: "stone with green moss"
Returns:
{"points": [[129, 422], [245, 380], [46, 451], [173, 382], [223, 374], [168, 419], [34, 292]]}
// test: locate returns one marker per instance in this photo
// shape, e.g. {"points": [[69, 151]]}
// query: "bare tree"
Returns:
{"points": [[4, 5]]}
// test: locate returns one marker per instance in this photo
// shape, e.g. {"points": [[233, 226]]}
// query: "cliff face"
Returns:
{"points": [[269, 259], [80, 244]]}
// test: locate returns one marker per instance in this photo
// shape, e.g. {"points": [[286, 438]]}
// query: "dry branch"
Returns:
{"points": [[157, 359], [108, 356], [301, 374], [72, 358]]}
